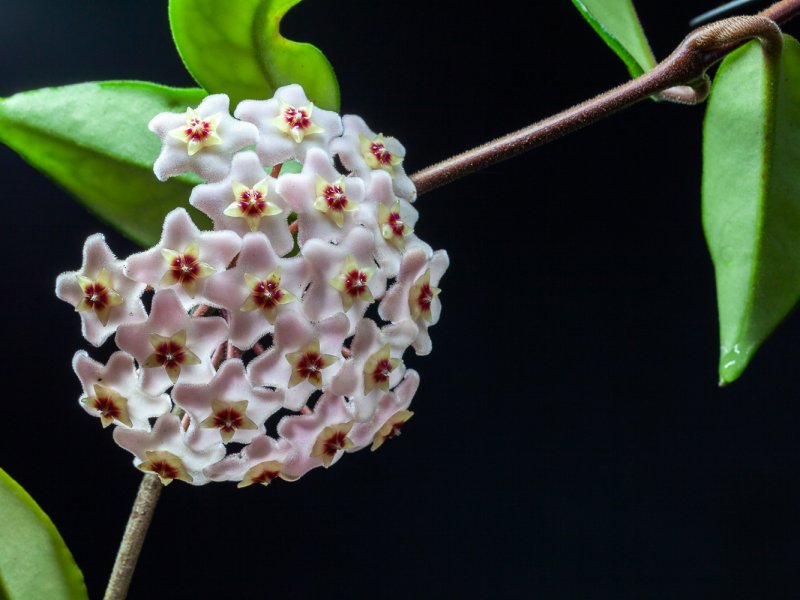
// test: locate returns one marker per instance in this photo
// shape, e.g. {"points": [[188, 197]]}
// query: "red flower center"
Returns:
{"points": [[170, 354], [381, 154], [425, 297], [107, 407], [355, 282], [382, 370], [296, 117], [396, 224], [310, 365], [96, 296], [228, 420], [267, 293], [335, 197], [185, 268], [252, 203], [198, 129], [335, 443]]}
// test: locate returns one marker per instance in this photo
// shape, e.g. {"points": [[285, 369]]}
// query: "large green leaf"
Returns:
{"points": [[235, 47], [34, 561], [751, 197], [92, 139], [617, 23]]}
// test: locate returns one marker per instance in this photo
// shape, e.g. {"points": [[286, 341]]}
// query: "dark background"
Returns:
{"points": [[570, 440]]}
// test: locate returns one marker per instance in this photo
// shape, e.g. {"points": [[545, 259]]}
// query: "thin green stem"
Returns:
{"points": [[142, 513], [681, 78]]}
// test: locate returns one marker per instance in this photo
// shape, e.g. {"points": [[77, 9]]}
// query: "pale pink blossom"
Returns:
{"points": [[303, 357], [326, 202], [415, 296], [392, 410], [112, 391], [100, 292], [259, 288], [184, 258], [164, 451], [260, 462], [363, 152], [289, 125], [375, 365], [228, 408], [201, 140], [246, 200], [171, 345], [344, 277]]}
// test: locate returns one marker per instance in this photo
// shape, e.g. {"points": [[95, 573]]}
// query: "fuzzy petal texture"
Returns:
{"points": [[168, 318], [353, 149], [249, 321], [327, 262], [262, 451], [391, 220], [277, 142], [73, 287], [230, 385], [302, 432], [168, 436], [367, 343], [181, 238], [210, 162], [292, 333], [316, 218], [363, 434], [396, 305], [254, 214], [119, 375]]}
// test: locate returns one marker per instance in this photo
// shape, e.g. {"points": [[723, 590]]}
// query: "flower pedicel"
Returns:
{"points": [[288, 276]]}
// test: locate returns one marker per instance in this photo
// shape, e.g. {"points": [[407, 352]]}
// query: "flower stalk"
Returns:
{"points": [[141, 515], [681, 78]]}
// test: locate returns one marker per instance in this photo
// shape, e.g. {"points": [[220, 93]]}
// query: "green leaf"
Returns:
{"points": [[617, 23], [236, 48], [751, 197], [92, 139], [34, 561]]}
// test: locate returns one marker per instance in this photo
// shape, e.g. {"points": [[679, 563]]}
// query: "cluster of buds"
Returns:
{"points": [[274, 343]]}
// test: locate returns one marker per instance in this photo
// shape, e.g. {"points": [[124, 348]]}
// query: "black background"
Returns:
{"points": [[570, 439]]}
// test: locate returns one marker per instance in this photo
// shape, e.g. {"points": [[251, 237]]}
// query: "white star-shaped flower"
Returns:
{"points": [[100, 292], [163, 451], [318, 438], [201, 140], [391, 414], [375, 365], [289, 124], [303, 357], [229, 407], [326, 202], [364, 152], [392, 221], [259, 288], [246, 200], [172, 346], [344, 278], [112, 391], [184, 258], [415, 296], [260, 462]]}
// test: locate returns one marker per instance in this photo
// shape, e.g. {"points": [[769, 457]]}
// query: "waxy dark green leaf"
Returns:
{"points": [[34, 561], [235, 47], [92, 139], [617, 23], [751, 197]]}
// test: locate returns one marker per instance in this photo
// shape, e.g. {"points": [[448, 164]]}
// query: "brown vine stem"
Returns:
{"points": [[681, 77], [133, 538]]}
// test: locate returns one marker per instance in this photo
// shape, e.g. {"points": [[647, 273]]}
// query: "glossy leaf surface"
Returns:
{"points": [[751, 197], [617, 23], [92, 139], [236, 48], [34, 561]]}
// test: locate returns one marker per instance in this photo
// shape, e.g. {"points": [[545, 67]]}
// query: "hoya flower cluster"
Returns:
{"points": [[314, 275]]}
